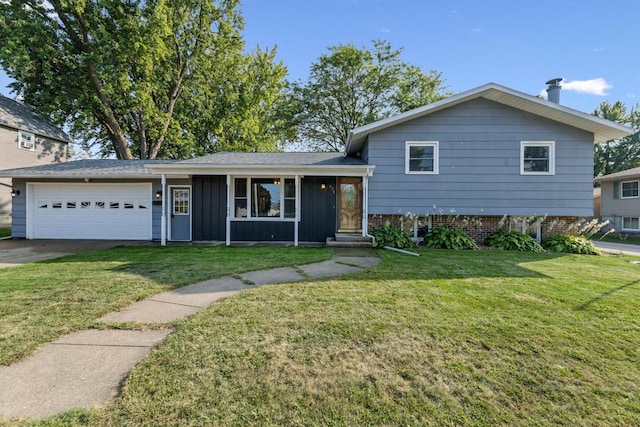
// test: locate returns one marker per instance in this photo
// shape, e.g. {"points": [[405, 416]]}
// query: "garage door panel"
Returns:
{"points": [[91, 211]]}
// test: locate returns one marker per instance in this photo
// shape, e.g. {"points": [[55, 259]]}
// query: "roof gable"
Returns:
{"points": [[15, 115], [603, 130]]}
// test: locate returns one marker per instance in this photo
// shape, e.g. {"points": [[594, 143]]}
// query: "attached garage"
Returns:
{"points": [[89, 211]]}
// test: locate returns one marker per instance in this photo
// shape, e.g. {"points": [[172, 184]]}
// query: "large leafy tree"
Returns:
{"points": [[141, 78], [618, 154], [351, 86]]}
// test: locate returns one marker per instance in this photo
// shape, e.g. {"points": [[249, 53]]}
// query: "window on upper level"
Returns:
{"points": [[26, 141], [537, 158], [629, 190], [421, 157]]}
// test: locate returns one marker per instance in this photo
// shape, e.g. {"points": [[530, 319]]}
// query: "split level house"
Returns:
{"points": [[620, 200], [26, 139], [489, 153]]}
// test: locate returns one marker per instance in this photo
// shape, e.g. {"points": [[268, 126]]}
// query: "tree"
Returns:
{"points": [[136, 77], [351, 86], [618, 154]]}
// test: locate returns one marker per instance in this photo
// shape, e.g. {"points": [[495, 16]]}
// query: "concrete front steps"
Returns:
{"points": [[348, 240]]}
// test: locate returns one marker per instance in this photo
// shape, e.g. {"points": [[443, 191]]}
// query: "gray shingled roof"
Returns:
{"points": [[90, 168], [112, 168], [629, 173], [15, 115], [275, 159]]}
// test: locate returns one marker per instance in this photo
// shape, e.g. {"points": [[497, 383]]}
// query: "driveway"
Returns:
{"points": [[617, 248], [18, 252]]}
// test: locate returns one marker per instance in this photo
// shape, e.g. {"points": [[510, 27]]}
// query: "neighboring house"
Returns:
{"points": [[490, 153], [26, 139], [620, 200]]}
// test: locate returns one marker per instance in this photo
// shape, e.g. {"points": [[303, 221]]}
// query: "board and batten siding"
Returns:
{"points": [[479, 165]]}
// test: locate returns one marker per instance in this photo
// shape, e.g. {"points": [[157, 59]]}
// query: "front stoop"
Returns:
{"points": [[348, 240]]}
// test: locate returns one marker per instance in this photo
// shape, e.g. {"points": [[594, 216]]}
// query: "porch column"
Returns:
{"points": [[228, 218], [365, 206], [163, 218], [296, 224]]}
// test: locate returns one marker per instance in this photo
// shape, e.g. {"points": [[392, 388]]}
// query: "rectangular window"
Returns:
{"points": [[537, 158], [630, 223], [181, 202], [264, 198], [630, 190], [26, 141], [421, 157]]}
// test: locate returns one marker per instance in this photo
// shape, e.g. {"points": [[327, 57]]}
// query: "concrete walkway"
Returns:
{"points": [[87, 368]]}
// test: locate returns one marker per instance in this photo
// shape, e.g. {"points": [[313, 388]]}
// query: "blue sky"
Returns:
{"points": [[519, 43], [593, 45]]}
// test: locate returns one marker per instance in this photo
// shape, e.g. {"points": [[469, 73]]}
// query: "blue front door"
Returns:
{"points": [[180, 212]]}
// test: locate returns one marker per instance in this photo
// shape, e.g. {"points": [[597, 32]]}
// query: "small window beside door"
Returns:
{"points": [[180, 202]]}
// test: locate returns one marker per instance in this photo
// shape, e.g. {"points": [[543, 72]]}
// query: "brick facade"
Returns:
{"points": [[478, 228]]}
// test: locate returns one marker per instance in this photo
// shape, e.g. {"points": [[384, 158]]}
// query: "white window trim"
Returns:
{"points": [[552, 156], [280, 218], [622, 196], [630, 229], [436, 157], [21, 140]]}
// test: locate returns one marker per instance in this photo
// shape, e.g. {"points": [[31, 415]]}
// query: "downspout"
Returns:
{"points": [[163, 219], [296, 226], [228, 218]]}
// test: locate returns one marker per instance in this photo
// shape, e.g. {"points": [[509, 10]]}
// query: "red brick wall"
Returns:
{"points": [[480, 228]]}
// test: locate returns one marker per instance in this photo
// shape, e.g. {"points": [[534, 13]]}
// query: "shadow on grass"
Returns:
{"points": [[605, 295]]}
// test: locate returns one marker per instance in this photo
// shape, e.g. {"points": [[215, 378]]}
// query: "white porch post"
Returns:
{"points": [[296, 226], [228, 218], [163, 220], [365, 205]]}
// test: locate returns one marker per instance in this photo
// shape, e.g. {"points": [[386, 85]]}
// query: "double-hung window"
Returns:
{"points": [[537, 158], [630, 223], [421, 157], [272, 198], [629, 190], [26, 141]]}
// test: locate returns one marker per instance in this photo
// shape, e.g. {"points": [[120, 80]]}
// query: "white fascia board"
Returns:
{"points": [[82, 176], [267, 170]]}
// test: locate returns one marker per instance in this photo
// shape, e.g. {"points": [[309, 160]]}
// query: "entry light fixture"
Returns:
{"points": [[15, 193], [158, 195], [323, 186]]}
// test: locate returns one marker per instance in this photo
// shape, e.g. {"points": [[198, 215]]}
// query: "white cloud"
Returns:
{"points": [[385, 30], [631, 95], [598, 49], [597, 86]]}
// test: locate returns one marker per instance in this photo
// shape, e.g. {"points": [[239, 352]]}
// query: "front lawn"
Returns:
{"points": [[629, 239], [5, 232], [40, 302], [451, 338]]}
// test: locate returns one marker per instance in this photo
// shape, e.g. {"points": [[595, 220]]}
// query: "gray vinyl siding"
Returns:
{"points": [[19, 207], [479, 165], [45, 151], [614, 208]]}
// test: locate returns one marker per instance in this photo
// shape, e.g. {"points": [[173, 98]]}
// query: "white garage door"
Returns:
{"points": [[89, 211]]}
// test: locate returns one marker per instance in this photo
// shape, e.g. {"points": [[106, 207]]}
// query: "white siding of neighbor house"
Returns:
{"points": [[614, 208], [479, 165], [46, 151]]}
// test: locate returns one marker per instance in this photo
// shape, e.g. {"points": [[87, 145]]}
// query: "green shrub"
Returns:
{"points": [[514, 241], [448, 238], [570, 244], [394, 237]]}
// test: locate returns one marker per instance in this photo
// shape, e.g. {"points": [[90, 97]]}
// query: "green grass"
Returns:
{"points": [[5, 232], [450, 338], [40, 302]]}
